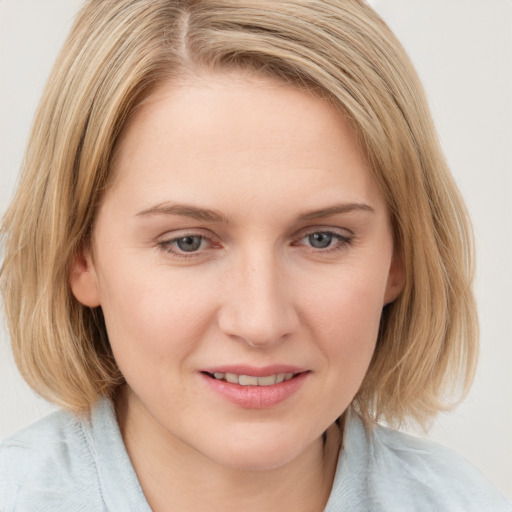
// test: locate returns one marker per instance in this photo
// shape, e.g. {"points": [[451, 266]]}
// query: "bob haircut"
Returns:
{"points": [[118, 51]]}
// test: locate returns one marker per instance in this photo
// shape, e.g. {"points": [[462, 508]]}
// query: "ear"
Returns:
{"points": [[396, 279], [82, 279]]}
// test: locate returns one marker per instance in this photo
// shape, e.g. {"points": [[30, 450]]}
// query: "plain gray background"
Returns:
{"points": [[463, 52]]}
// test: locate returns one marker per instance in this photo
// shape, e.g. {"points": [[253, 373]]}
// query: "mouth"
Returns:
{"points": [[252, 380], [255, 388]]}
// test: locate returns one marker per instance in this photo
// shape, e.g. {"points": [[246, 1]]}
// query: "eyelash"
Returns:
{"points": [[342, 242], [339, 241], [168, 245]]}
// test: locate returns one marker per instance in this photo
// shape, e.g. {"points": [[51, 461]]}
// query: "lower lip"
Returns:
{"points": [[256, 397]]}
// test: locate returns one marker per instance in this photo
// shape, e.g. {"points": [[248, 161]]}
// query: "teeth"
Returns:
{"points": [[232, 377], [247, 380], [267, 381], [250, 380]]}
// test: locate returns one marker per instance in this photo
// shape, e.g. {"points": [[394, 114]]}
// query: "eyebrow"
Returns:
{"points": [[184, 210], [335, 210], [207, 215]]}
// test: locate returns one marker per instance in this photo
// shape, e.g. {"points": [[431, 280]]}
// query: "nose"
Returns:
{"points": [[258, 306]]}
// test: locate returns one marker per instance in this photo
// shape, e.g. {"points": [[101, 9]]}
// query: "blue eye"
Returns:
{"points": [[320, 240], [325, 241], [183, 246], [189, 243]]}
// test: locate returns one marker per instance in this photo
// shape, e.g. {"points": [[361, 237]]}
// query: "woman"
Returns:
{"points": [[235, 246]]}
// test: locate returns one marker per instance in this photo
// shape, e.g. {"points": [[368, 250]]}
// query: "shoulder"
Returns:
{"points": [[440, 477], [390, 470], [44, 466]]}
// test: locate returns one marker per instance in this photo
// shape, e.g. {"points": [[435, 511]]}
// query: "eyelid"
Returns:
{"points": [[338, 231], [345, 238], [175, 234], [165, 242]]}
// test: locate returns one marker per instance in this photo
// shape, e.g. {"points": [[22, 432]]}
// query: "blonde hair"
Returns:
{"points": [[116, 53]]}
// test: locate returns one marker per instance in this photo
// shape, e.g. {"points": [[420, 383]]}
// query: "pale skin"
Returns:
{"points": [[242, 227]]}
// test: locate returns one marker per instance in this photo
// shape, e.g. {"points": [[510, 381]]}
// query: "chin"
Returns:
{"points": [[258, 452], [255, 460]]}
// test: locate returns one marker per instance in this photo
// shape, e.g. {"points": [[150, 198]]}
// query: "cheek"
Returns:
{"points": [[345, 316], [154, 314]]}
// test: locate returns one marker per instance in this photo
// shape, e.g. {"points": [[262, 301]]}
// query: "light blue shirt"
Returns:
{"points": [[65, 463]]}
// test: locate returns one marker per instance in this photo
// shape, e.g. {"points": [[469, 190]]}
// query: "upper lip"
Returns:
{"points": [[255, 371]]}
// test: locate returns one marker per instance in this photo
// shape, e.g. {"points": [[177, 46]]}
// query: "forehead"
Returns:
{"points": [[238, 130]]}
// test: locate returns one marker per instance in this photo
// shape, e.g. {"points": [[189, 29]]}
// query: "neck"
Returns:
{"points": [[175, 476]]}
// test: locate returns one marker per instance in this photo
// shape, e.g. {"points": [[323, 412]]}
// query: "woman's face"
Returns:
{"points": [[241, 257]]}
